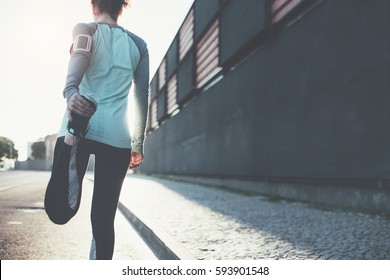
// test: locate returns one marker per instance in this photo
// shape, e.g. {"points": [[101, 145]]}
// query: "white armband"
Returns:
{"points": [[82, 42]]}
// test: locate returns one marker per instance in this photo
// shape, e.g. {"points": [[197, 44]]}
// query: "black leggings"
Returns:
{"points": [[111, 165]]}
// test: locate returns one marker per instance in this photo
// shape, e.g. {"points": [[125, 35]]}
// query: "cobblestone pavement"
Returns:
{"points": [[216, 224]]}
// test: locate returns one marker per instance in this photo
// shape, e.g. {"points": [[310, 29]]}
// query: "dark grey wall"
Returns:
{"points": [[312, 102], [206, 10], [172, 58], [240, 21], [185, 77]]}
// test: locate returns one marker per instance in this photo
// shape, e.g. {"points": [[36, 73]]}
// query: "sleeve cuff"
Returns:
{"points": [[68, 94], [137, 149]]}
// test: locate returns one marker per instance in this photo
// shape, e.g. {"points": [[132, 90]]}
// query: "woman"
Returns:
{"points": [[105, 60]]}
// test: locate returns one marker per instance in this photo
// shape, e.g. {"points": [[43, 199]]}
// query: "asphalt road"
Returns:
{"points": [[26, 233]]}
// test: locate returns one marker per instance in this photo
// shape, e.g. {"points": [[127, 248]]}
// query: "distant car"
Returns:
{"points": [[7, 164]]}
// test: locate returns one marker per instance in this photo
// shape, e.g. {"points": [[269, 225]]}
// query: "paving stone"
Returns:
{"points": [[213, 223]]}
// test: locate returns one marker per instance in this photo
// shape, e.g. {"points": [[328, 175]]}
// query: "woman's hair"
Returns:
{"points": [[111, 7]]}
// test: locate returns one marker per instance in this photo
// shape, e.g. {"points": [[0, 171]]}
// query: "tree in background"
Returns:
{"points": [[7, 148], [38, 150]]}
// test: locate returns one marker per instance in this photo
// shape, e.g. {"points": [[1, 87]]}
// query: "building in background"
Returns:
{"points": [[45, 160], [284, 97], [46, 163], [29, 150], [50, 142]]}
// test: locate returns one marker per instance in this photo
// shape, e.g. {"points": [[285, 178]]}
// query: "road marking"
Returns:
{"points": [[17, 185], [14, 223]]}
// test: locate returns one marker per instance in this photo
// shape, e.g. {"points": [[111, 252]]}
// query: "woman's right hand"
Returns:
{"points": [[79, 105], [135, 160]]}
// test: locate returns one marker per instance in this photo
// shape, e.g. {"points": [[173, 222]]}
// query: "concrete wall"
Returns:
{"points": [[38, 165], [46, 165], [304, 99]]}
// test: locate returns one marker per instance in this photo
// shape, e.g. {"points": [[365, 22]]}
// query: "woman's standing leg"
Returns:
{"points": [[111, 165]]}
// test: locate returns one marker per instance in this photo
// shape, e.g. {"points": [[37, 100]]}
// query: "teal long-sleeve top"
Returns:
{"points": [[105, 61]]}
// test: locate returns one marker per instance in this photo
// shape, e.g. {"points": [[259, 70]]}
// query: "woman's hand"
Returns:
{"points": [[135, 160], [79, 105]]}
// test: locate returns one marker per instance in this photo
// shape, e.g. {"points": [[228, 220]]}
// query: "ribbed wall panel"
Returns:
{"points": [[207, 54], [281, 7], [186, 35], [153, 114], [162, 74], [172, 95]]}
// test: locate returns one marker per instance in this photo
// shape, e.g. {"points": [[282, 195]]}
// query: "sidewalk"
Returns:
{"points": [[203, 222]]}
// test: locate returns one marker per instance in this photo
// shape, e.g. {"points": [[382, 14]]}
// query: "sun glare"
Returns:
{"points": [[36, 37]]}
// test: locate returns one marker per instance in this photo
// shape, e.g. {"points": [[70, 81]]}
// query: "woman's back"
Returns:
{"points": [[115, 55]]}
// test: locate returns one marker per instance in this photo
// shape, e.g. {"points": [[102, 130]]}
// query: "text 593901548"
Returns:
{"points": [[231, 270]]}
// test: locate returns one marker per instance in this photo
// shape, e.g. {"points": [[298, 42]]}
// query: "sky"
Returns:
{"points": [[34, 49]]}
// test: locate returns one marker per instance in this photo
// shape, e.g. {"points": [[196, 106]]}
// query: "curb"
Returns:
{"points": [[163, 247]]}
